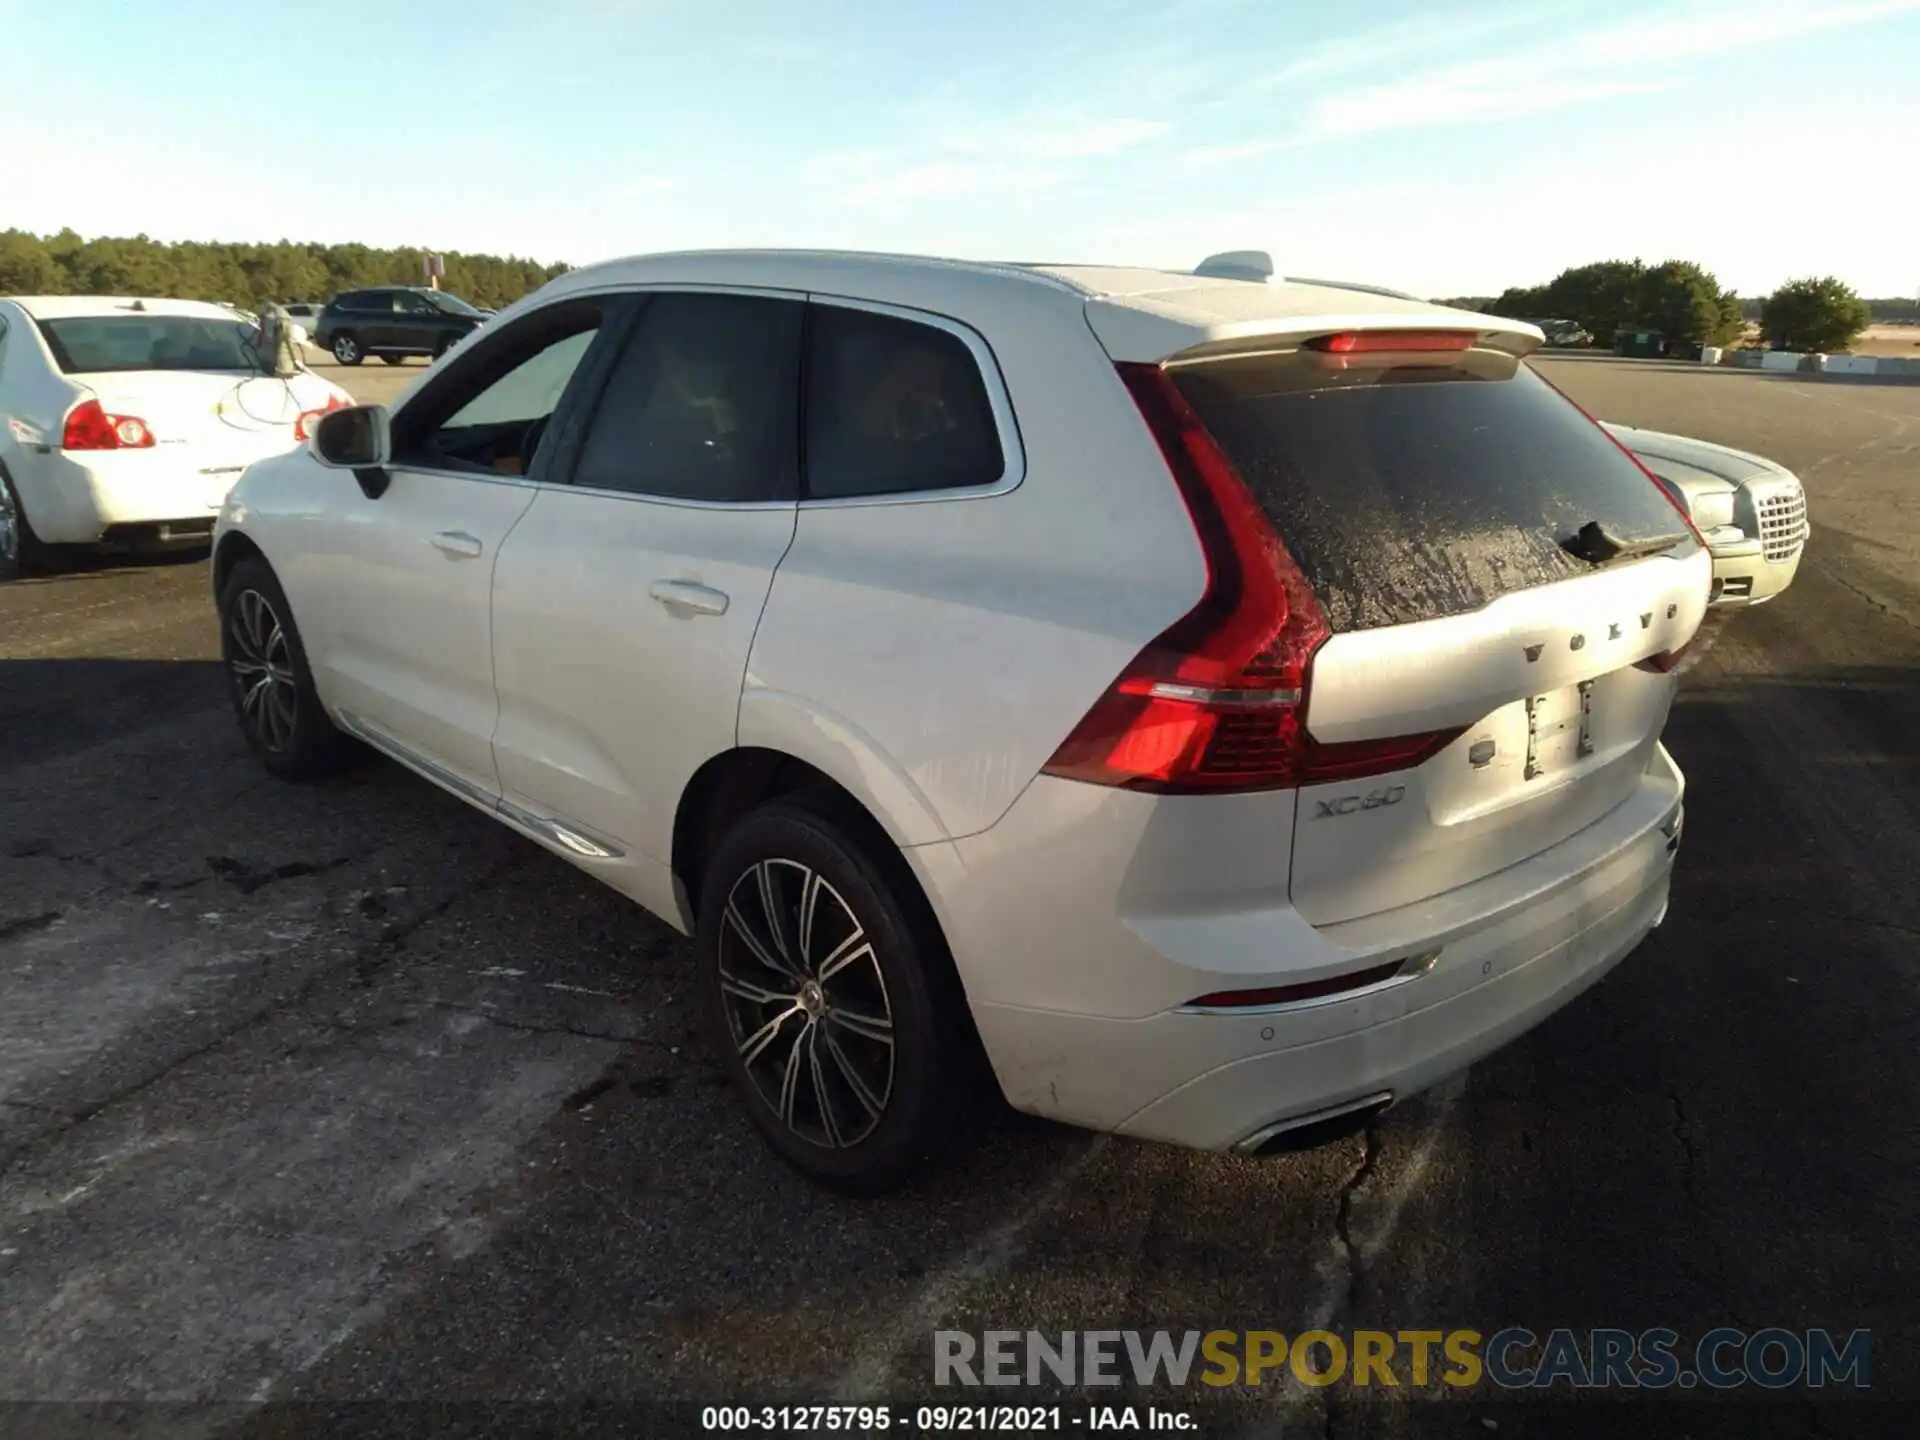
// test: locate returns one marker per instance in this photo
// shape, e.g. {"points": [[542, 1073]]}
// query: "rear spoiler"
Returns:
{"points": [[1144, 331]]}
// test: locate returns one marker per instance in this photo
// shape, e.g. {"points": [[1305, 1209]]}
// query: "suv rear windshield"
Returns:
{"points": [[1413, 492], [99, 344]]}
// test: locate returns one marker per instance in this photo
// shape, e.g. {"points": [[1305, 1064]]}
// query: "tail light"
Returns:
{"points": [[303, 426], [1217, 702], [89, 427]]}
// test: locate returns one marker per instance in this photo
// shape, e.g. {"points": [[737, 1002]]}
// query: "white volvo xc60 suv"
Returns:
{"points": [[1225, 706]]}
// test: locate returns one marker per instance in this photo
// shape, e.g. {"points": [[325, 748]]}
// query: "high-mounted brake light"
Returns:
{"points": [[90, 427], [1217, 702], [1399, 342], [303, 426]]}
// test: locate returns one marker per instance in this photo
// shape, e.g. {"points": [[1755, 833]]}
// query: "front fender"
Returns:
{"points": [[833, 745]]}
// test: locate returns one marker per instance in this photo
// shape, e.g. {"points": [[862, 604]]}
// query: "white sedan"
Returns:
{"points": [[126, 421]]}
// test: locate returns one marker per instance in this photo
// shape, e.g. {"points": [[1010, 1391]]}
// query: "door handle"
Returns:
{"points": [[457, 544], [689, 596]]}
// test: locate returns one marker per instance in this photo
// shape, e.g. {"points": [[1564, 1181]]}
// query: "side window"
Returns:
{"points": [[530, 391], [701, 404], [894, 406], [491, 412], [410, 304]]}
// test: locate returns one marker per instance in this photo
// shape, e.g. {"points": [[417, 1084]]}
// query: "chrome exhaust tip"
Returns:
{"points": [[1316, 1128]]}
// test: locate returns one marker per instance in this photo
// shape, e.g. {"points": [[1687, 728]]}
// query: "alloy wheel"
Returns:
{"points": [[346, 350], [9, 531], [806, 1003], [261, 663]]}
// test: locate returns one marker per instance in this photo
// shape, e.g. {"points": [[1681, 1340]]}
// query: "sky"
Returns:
{"points": [[1446, 147]]}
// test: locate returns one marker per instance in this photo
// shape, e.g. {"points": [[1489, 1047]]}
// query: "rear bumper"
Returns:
{"points": [[124, 496], [1512, 948], [1516, 973]]}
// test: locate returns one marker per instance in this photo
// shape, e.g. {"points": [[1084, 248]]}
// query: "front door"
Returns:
{"points": [[406, 642], [418, 323], [625, 601]]}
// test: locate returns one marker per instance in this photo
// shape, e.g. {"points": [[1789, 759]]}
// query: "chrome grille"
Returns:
{"points": [[1783, 521]]}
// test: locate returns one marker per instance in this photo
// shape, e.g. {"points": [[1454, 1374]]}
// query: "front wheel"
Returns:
{"points": [[831, 999], [346, 348], [394, 359], [280, 714]]}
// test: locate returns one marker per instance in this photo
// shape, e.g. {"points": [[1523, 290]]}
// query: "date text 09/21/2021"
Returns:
{"points": [[942, 1419]]}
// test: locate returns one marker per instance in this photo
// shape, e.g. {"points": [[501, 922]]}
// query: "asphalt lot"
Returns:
{"points": [[344, 1094]]}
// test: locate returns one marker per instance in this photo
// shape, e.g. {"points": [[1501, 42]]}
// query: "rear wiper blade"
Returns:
{"points": [[1597, 545]]}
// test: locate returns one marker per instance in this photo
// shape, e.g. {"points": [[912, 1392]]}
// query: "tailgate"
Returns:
{"points": [[1435, 504]]}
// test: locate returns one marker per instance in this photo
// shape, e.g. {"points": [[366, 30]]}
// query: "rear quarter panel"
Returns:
{"points": [[931, 654]]}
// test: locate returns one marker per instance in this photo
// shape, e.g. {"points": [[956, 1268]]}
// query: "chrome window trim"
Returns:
{"points": [[646, 498], [1013, 453], [482, 477]]}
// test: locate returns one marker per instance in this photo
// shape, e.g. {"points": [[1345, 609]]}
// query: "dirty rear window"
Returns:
{"points": [[1415, 492]]}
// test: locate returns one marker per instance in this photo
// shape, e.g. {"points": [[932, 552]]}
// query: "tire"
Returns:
{"points": [[274, 699], [441, 346], [21, 551], [849, 1109], [394, 359], [346, 348]]}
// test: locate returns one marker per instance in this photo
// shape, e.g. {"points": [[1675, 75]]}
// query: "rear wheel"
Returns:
{"points": [[280, 714], [346, 348], [831, 999], [21, 551]]}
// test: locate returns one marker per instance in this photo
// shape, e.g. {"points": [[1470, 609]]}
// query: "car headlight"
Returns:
{"points": [[1712, 511]]}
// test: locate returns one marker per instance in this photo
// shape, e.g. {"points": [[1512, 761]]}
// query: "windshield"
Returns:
{"points": [[99, 344], [452, 304]]}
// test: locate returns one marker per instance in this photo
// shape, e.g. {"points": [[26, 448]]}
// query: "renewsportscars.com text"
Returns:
{"points": [[1512, 1359]]}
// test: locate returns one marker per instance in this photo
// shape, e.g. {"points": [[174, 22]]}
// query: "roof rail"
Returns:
{"points": [[1350, 285], [1254, 265]]}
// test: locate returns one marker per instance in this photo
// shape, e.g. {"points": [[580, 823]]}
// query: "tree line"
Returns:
{"points": [[1678, 298], [1687, 304], [246, 274]]}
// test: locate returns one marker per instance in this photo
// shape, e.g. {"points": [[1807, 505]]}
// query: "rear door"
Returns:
{"points": [[419, 322], [1435, 502], [624, 603]]}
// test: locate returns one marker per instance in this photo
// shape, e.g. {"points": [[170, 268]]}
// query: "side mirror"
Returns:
{"points": [[356, 439]]}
